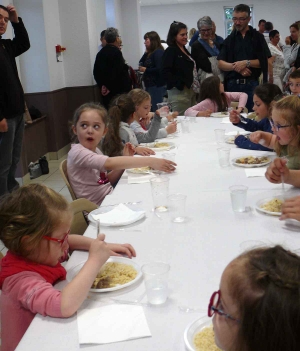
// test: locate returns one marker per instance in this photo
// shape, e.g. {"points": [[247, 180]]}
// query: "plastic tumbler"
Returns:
{"points": [[220, 135], [176, 203], [238, 194], [224, 154], [160, 192], [185, 126], [156, 281], [164, 109]]}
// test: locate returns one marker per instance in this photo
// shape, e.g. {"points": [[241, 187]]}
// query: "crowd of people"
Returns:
{"points": [[196, 78]]}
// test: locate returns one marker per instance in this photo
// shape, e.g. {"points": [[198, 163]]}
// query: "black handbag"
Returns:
{"points": [[44, 165]]}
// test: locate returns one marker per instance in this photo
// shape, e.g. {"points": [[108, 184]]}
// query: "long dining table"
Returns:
{"points": [[197, 250]]}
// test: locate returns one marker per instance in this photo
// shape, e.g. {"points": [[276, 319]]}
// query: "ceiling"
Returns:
{"points": [[170, 2]]}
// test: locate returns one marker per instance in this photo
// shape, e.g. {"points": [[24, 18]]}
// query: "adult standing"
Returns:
{"points": [[179, 70], [102, 40], [110, 69], [217, 39], [261, 26], [150, 65], [290, 50], [12, 104], [244, 55], [205, 51], [276, 69], [268, 28]]}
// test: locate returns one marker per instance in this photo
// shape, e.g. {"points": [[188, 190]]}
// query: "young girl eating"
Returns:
{"points": [[147, 125], [87, 166], [35, 225], [285, 124], [214, 99], [263, 97], [257, 307]]}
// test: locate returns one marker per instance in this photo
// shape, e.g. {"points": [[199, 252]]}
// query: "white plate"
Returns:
{"points": [[106, 209], [264, 201], [230, 140], [75, 270], [152, 146], [192, 329], [250, 165], [219, 114]]}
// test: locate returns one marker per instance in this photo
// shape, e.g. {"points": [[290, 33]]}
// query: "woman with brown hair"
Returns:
{"points": [[150, 65]]}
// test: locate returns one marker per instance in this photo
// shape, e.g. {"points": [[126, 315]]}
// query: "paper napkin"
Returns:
{"points": [[255, 172]]}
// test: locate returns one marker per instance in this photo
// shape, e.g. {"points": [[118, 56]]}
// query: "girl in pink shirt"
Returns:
{"points": [[214, 99], [87, 166], [35, 225]]}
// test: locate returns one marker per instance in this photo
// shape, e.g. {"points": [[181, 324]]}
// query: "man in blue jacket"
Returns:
{"points": [[12, 104]]}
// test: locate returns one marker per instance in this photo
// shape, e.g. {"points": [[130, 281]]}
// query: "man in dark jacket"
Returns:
{"points": [[110, 69], [12, 105]]}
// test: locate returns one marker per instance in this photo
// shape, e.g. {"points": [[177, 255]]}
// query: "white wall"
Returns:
{"points": [[158, 18]]}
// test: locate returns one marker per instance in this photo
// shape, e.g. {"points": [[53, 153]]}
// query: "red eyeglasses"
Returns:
{"points": [[214, 302], [60, 241]]}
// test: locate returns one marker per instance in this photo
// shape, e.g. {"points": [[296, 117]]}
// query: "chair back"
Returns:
{"points": [[64, 173], [80, 207]]}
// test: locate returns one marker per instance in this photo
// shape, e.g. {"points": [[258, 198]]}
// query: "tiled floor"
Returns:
{"points": [[54, 181]]}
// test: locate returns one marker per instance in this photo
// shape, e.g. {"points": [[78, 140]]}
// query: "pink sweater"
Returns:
{"points": [[208, 104], [23, 295], [84, 167]]}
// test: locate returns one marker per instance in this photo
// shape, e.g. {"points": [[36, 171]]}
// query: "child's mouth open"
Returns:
{"points": [[90, 139]]}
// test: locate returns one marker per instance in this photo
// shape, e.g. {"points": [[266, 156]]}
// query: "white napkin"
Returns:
{"points": [[111, 323], [242, 132], [225, 120], [120, 215], [139, 178], [255, 172]]}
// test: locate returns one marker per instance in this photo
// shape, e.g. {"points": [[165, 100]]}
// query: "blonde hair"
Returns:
{"points": [[289, 108], [138, 96], [32, 211]]}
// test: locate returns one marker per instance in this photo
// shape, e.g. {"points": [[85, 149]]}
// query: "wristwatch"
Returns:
{"points": [[248, 63]]}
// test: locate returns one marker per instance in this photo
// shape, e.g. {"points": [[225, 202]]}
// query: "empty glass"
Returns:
{"points": [[185, 126], [176, 204], [164, 109], [238, 194], [160, 192], [224, 154], [220, 135]]}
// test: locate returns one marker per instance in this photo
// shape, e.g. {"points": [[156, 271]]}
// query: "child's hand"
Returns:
{"points": [[164, 109], [172, 116], [276, 169], [255, 137], [291, 208], [171, 128], [144, 151], [144, 122], [129, 150], [205, 113], [161, 164], [234, 117], [99, 249], [122, 249]]}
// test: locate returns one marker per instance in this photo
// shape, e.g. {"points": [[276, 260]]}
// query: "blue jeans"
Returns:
{"points": [[10, 152], [157, 96], [247, 88]]}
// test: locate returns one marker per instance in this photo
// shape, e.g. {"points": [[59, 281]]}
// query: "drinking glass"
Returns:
{"points": [[224, 154], [185, 126], [176, 203], [220, 135], [238, 194], [160, 192]]}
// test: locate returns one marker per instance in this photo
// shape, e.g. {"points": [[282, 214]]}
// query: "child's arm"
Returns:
{"points": [[150, 135], [203, 109], [244, 143], [278, 169], [263, 138], [240, 97]]}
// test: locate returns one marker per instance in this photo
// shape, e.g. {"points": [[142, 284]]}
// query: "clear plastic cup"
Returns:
{"points": [[176, 204], [164, 109], [220, 135], [185, 126], [238, 194], [156, 281], [160, 192], [224, 154]]}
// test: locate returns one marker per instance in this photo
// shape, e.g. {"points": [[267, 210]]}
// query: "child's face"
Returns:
{"points": [[259, 107], [89, 129], [284, 135], [226, 329], [143, 109], [294, 84]]}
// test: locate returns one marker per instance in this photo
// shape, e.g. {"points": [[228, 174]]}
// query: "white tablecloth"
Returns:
{"points": [[197, 250]]}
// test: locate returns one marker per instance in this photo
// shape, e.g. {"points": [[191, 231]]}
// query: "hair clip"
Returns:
{"points": [[175, 22]]}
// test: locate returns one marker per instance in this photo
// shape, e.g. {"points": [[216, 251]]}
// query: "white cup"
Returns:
{"points": [[160, 192], [176, 204], [164, 109], [238, 194], [185, 126], [224, 154], [169, 156], [156, 281], [220, 135]]}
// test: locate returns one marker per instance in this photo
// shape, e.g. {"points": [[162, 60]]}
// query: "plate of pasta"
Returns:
{"points": [[140, 170], [219, 114], [270, 206], [251, 161], [160, 145], [199, 336], [117, 273]]}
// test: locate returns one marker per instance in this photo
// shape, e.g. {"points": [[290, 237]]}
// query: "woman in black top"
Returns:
{"points": [[179, 70]]}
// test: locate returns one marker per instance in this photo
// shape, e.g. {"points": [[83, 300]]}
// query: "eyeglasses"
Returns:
{"points": [[60, 241], [241, 19], [214, 302], [278, 126], [205, 30]]}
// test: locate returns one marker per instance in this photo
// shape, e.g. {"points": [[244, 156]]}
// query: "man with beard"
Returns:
{"points": [[244, 55]]}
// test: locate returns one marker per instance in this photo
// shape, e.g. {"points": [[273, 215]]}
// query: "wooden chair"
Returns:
{"points": [[79, 206], [64, 173]]}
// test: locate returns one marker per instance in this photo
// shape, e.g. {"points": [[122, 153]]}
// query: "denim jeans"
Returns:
{"points": [[157, 96], [10, 152], [247, 88], [181, 100]]}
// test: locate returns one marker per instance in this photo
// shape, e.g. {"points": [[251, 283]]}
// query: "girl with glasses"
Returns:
{"points": [[258, 305], [34, 225], [285, 124]]}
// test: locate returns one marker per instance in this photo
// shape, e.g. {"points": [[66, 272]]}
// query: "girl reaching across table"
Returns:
{"points": [[87, 166], [257, 306], [35, 225], [213, 98], [263, 96]]}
